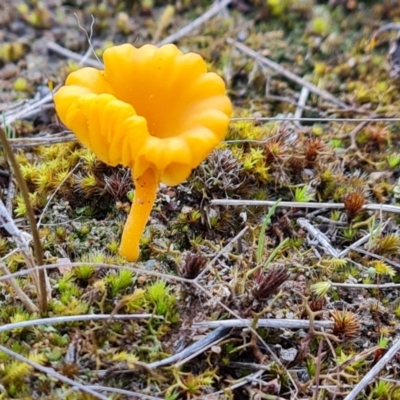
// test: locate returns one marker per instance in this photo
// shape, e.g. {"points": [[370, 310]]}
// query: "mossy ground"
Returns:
{"points": [[82, 205]]}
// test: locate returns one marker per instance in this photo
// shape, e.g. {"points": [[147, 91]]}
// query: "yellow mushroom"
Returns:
{"points": [[153, 109]]}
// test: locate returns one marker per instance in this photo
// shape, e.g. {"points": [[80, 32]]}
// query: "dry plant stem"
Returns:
{"points": [[295, 204], [255, 391], [41, 288], [89, 39], [86, 56], [301, 104], [319, 119], [385, 28], [355, 359], [73, 56], [7, 107], [287, 74], [258, 393], [31, 109], [23, 245], [374, 371], [32, 142], [50, 372], [10, 194], [193, 354], [74, 318], [20, 293], [353, 134], [319, 236], [378, 257], [212, 11], [290, 101], [242, 382], [332, 387], [236, 385], [366, 285], [194, 349], [264, 323], [266, 310], [226, 248], [318, 370], [50, 199], [358, 243], [250, 365]]}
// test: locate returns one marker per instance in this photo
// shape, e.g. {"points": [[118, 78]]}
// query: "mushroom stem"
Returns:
{"points": [[145, 194]]}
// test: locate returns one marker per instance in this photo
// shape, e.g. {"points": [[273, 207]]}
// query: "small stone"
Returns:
{"points": [[8, 71], [288, 355]]}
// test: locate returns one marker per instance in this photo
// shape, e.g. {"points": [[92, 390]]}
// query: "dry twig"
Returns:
{"points": [[20, 293], [194, 349], [213, 11], [374, 371], [22, 243], [74, 318], [264, 323], [294, 204], [287, 74], [73, 56]]}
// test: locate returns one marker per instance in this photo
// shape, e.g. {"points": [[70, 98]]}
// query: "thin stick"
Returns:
{"points": [[52, 373], [300, 204], [353, 134], [321, 119], [55, 192], [20, 293], [11, 106], [73, 56], [387, 27], [224, 249], [366, 285], [358, 243], [32, 142], [194, 354], [236, 385], [210, 13], [285, 99], [32, 108], [192, 350], [89, 36], [21, 240], [374, 371], [302, 102], [319, 236], [287, 74], [42, 292], [74, 318], [86, 56], [318, 370], [10, 194], [378, 257], [264, 323]]}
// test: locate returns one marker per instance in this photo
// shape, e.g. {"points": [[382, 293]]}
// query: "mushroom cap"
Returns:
{"points": [[151, 107]]}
